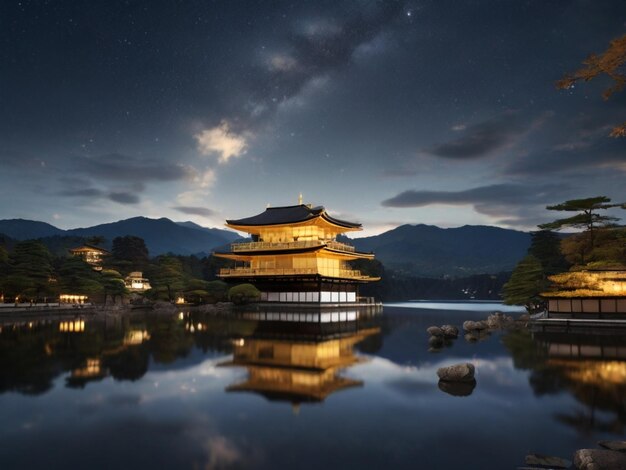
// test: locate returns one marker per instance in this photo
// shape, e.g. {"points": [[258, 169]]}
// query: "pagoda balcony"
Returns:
{"points": [[296, 245], [339, 273]]}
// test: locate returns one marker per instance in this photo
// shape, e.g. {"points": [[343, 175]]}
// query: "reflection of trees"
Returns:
{"points": [[169, 340], [130, 363], [25, 365], [590, 368], [34, 354]]}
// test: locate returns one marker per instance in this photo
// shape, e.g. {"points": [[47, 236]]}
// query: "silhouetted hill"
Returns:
{"points": [[429, 251], [22, 229], [161, 235], [215, 231]]}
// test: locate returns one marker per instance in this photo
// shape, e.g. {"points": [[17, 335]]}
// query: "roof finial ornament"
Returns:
{"points": [[300, 199]]}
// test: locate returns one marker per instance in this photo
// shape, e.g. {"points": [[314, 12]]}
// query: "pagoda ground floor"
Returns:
{"points": [[587, 307], [314, 291]]}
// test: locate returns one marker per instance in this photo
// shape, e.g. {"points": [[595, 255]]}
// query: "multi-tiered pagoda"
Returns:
{"points": [[294, 256]]}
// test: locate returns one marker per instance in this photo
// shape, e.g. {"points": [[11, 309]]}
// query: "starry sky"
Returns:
{"points": [[437, 111]]}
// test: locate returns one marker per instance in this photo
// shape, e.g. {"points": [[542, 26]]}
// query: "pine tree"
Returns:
{"points": [[525, 285]]}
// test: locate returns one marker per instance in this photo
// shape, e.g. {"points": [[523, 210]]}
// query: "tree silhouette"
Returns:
{"points": [[611, 63]]}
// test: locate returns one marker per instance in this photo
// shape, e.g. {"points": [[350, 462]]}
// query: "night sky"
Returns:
{"points": [[439, 112]]}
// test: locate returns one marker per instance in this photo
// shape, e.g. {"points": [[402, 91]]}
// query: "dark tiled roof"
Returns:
{"points": [[92, 247], [290, 214]]}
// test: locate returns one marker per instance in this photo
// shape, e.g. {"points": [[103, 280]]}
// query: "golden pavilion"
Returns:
{"points": [[294, 256]]}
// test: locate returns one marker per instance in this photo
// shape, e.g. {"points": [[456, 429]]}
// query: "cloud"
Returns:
{"points": [[118, 167], [84, 192], [205, 179], [575, 155], [123, 197], [512, 193], [192, 210], [282, 63], [320, 28], [221, 141], [482, 139], [83, 189], [512, 203]]}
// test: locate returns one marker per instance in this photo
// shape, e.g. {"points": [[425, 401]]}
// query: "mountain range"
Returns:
{"points": [[415, 250], [161, 235], [430, 251]]}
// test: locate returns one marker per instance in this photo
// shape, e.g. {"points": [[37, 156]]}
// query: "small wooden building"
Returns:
{"points": [[588, 294], [91, 254], [135, 282]]}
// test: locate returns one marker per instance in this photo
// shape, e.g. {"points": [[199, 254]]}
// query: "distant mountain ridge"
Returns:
{"points": [[430, 251], [414, 250], [161, 235], [23, 229]]}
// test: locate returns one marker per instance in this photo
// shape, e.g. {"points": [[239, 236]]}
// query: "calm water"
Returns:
{"points": [[194, 391]]}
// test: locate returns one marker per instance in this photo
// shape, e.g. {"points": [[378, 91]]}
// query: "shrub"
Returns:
{"points": [[243, 294]]}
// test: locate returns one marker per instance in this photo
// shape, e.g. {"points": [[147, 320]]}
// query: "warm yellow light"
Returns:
{"points": [[180, 300]]}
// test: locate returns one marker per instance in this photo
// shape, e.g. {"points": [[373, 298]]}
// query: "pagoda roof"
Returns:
{"points": [[88, 247], [291, 214]]}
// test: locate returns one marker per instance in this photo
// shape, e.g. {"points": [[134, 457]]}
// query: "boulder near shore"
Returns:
{"points": [[457, 373]]}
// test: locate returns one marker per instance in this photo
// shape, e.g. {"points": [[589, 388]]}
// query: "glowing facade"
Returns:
{"points": [[587, 292], [135, 282], [91, 254], [294, 256]]}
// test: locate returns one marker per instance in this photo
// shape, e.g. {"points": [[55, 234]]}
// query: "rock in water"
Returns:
{"points": [[457, 389], [450, 331], [434, 331], [435, 342], [599, 459], [457, 373], [494, 321], [619, 446], [469, 325], [538, 460]]}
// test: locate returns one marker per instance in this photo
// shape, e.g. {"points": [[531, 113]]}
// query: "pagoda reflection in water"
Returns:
{"points": [[592, 368], [298, 357]]}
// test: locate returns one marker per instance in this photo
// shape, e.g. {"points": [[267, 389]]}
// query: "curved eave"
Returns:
{"points": [[246, 255], [314, 276], [340, 223], [254, 228], [349, 254]]}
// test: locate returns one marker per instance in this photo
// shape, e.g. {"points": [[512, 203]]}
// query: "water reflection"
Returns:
{"points": [[87, 349], [591, 368], [298, 362], [160, 391], [310, 352]]}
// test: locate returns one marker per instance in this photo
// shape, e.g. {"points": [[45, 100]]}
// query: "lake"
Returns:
{"points": [[200, 391]]}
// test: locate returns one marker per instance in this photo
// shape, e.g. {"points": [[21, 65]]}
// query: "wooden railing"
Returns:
{"points": [[342, 273], [271, 246], [335, 245]]}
